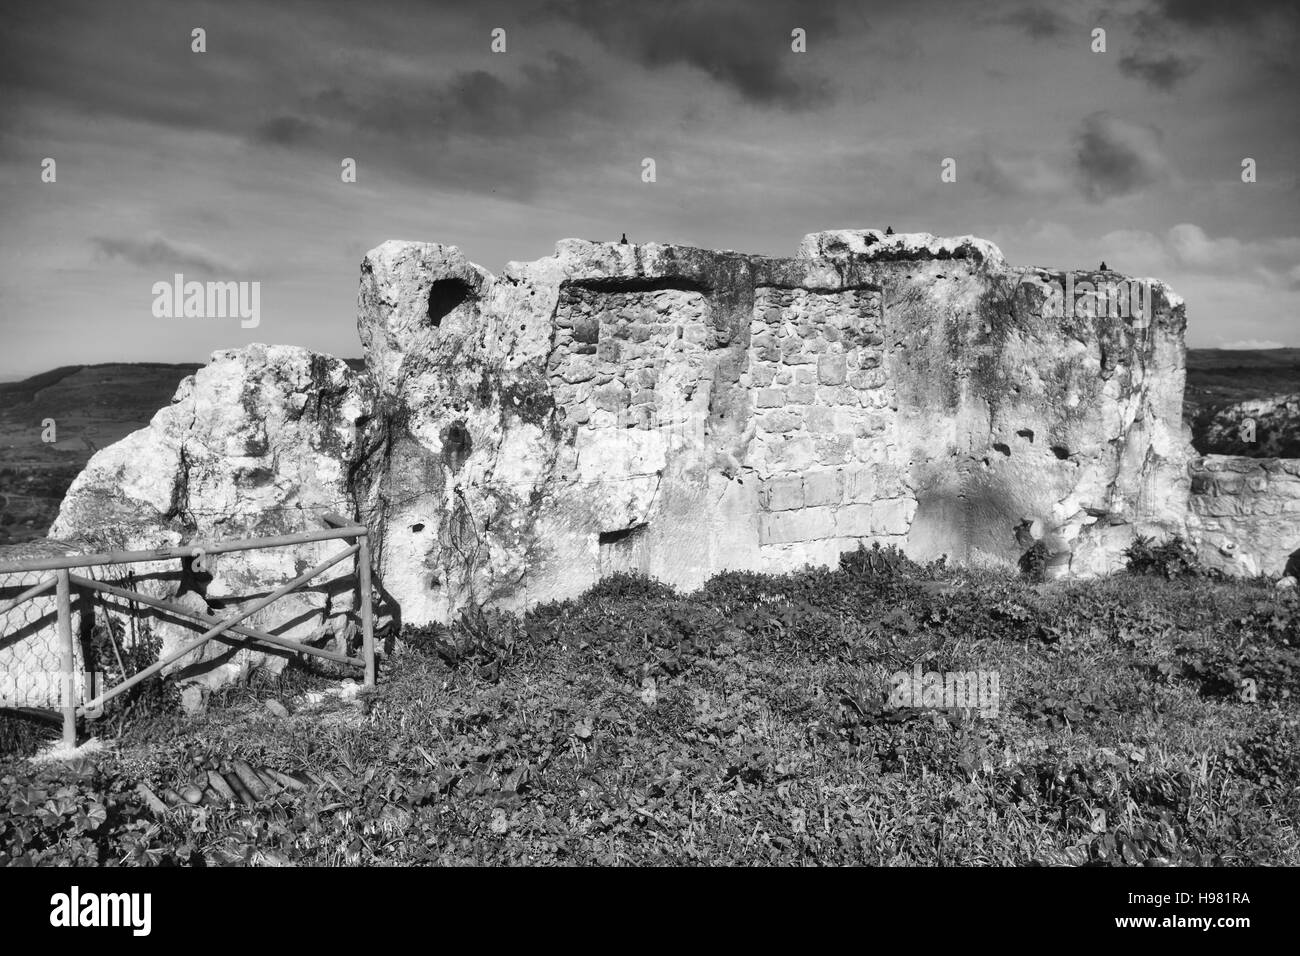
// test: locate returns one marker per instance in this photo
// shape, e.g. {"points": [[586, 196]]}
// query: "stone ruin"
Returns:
{"points": [[680, 412]]}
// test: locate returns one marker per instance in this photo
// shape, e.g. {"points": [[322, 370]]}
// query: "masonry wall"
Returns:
{"points": [[1245, 512], [824, 423]]}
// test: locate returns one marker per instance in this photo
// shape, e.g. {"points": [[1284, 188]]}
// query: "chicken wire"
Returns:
{"points": [[105, 647]]}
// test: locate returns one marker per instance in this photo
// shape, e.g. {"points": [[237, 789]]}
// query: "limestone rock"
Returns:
{"points": [[679, 412], [256, 443]]}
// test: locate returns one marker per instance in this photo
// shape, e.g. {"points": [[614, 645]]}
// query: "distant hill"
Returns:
{"points": [[92, 406]]}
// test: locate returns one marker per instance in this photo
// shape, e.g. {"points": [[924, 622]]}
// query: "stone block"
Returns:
{"points": [[892, 516], [853, 520], [806, 524], [823, 488], [782, 493], [820, 419], [832, 368], [784, 420]]}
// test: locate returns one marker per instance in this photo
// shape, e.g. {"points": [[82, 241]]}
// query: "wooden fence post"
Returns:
{"points": [[367, 615], [68, 686]]}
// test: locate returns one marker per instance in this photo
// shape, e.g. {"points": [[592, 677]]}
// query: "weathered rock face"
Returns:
{"points": [[680, 412], [256, 443]]}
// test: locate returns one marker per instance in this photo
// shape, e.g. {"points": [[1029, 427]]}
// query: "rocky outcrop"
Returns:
{"points": [[680, 412], [259, 442]]}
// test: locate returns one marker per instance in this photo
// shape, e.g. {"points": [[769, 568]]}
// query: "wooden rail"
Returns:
{"points": [[227, 629]]}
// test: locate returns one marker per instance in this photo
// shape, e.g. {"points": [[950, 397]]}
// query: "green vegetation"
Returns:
{"points": [[1144, 720]]}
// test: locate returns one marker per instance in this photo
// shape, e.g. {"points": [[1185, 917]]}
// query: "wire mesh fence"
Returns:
{"points": [[31, 658]]}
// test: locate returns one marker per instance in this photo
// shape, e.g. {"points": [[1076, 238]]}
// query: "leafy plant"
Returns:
{"points": [[1033, 563], [1170, 559]]}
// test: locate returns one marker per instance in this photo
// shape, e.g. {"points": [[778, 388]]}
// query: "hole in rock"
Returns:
{"points": [[619, 534], [1004, 449], [1026, 433], [1061, 452], [445, 295]]}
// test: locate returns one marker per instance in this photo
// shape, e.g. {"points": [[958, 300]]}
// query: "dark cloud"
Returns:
{"points": [[158, 253], [1041, 23], [285, 131], [1161, 73], [1114, 157], [1199, 14], [482, 131], [1274, 25], [741, 44]]}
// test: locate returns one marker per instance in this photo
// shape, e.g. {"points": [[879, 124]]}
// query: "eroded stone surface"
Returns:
{"points": [[257, 443], [679, 412]]}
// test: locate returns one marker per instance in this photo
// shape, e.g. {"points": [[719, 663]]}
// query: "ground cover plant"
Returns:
{"points": [[1144, 719]]}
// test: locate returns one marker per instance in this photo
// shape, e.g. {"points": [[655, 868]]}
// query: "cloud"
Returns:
{"points": [[1193, 248], [1161, 73], [285, 131], [1041, 23], [159, 253], [1206, 14], [543, 97], [1186, 248], [1253, 344], [742, 44], [1116, 158], [1032, 176]]}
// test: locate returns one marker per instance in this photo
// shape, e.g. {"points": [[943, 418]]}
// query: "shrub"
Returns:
{"points": [[482, 639], [886, 562], [1033, 563], [1171, 559]]}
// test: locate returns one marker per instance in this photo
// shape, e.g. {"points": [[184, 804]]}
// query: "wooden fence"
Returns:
{"points": [[63, 582]]}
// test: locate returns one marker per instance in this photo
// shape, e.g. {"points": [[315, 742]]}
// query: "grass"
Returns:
{"points": [[745, 723]]}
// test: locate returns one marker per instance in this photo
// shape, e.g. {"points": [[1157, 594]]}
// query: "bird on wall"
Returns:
{"points": [[623, 241], [889, 230], [1103, 268]]}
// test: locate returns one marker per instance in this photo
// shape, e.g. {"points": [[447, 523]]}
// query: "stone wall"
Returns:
{"points": [[824, 426], [1245, 512]]}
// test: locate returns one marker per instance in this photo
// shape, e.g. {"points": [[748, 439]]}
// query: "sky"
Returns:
{"points": [[225, 165]]}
